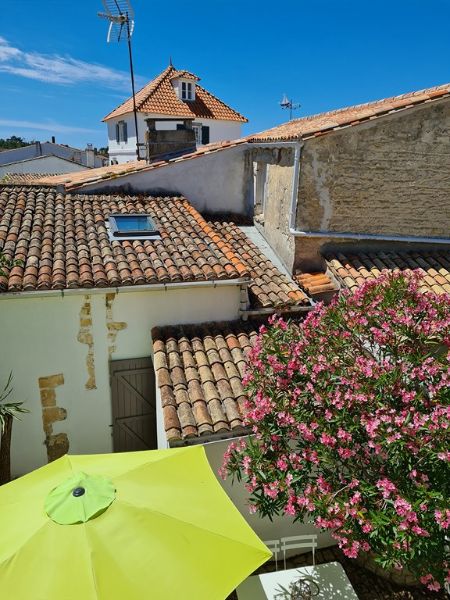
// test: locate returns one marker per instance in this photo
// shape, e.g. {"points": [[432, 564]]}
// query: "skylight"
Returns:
{"points": [[132, 226]]}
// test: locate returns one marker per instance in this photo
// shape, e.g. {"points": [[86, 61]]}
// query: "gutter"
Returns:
{"points": [[270, 311], [167, 287], [343, 235]]}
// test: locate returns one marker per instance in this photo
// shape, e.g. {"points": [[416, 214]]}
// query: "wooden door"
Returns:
{"points": [[133, 404]]}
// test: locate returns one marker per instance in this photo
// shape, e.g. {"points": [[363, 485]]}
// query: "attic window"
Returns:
{"points": [[132, 226], [187, 90]]}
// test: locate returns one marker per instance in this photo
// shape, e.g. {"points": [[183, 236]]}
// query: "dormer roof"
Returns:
{"points": [[160, 97]]}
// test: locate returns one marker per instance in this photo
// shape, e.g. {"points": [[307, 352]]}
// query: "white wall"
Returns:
{"points": [[40, 340], [44, 164], [266, 529], [124, 152], [215, 182]]}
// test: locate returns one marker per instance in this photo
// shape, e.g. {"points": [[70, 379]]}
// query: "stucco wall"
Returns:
{"points": [[389, 176], [59, 348], [216, 182], [266, 529], [124, 152]]}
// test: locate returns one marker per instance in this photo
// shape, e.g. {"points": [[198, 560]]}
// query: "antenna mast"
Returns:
{"points": [[120, 15], [289, 104]]}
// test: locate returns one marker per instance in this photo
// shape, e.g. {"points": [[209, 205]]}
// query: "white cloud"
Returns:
{"points": [[53, 68], [49, 126]]}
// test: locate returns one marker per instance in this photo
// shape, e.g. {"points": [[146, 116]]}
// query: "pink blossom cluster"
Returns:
{"points": [[350, 410]]}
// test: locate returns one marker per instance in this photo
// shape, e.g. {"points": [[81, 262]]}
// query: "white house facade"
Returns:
{"points": [[172, 94]]}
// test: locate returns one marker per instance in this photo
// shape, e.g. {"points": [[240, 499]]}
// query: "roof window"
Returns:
{"points": [[187, 90], [132, 226]]}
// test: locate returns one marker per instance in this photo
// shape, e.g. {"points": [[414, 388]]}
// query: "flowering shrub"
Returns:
{"points": [[350, 413]]}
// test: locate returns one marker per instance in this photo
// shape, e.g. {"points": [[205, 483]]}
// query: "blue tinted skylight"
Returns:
{"points": [[132, 225]]}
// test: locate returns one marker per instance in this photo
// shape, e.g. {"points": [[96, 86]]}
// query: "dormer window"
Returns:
{"points": [[187, 90]]}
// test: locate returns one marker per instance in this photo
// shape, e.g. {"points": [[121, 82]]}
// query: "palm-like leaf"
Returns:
{"points": [[9, 409]]}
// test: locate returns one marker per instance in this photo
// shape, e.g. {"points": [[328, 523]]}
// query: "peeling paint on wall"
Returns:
{"points": [[113, 326], [85, 336], [57, 444]]}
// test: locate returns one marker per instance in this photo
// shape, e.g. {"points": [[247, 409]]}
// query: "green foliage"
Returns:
{"points": [[13, 142], [9, 409]]}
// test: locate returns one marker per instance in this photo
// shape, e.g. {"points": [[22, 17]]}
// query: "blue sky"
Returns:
{"points": [[58, 76]]}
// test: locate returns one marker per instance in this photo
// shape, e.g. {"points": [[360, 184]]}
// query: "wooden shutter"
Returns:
{"points": [[125, 132], [133, 404], [205, 134]]}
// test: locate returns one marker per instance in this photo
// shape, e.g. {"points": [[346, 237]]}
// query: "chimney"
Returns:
{"points": [[38, 149], [53, 139], [90, 156]]}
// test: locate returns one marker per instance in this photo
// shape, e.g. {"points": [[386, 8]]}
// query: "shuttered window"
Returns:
{"points": [[121, 132], [205, 134]]}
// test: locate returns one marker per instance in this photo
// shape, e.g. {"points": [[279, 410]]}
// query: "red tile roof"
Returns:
{"points": [[199, 371], [62, 242], [269, 287], [72, 181], [327, 122], [159, 97], [353, 268]]}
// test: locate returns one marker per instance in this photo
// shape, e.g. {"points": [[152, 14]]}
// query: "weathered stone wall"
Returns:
{"points": [[273, 218], [389, 176]]}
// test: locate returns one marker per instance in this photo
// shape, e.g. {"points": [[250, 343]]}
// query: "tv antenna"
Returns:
{"points": [[289, 104], [120, 15]]}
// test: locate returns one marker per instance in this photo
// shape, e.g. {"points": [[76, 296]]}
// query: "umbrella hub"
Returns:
{"points": [[80, 498]]}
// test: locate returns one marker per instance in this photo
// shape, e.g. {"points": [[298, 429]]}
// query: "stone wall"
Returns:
{"points": [[389, 176]]}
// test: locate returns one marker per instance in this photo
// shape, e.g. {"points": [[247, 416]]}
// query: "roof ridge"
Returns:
{"points": [[405, 96]]}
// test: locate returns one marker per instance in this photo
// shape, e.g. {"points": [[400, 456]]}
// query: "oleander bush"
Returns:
{"points": [[350, 414]]}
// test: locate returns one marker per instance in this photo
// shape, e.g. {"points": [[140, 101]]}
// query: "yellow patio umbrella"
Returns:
{"points": [[152, 525]]}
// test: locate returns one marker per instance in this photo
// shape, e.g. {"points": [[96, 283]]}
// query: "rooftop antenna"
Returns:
{"points": [[120, 15], [289, 104]]}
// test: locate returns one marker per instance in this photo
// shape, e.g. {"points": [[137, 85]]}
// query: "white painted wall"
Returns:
{"points": [[266, 529], [215, 182], [40, 339], [124, 152], [43, 164]]}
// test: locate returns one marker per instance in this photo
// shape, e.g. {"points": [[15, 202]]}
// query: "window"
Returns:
{"points": [[198, 134], [132, 226], [187, 90], [121, 132]]}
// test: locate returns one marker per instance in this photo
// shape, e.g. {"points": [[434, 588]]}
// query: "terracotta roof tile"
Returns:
{"points": [[62, 241], [159, 97], [269, 287], [24, 178], [353, 115], [352, 269], [316, 284], [210, 398]]}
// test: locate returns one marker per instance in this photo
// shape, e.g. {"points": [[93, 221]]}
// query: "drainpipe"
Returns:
{"points": [[347, 235]]}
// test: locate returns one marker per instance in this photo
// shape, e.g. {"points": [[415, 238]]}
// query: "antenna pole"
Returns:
{"points": [[132, 87]]}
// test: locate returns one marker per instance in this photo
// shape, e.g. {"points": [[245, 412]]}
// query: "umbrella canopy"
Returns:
{"points": [[150, 525]]}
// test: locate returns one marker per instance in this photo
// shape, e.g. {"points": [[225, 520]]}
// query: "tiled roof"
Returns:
{"points": [[62, 242], [199, 373], [352, 269], [315, 284], [159, 97], [74, 180], [326, 122], [24, 178], [269, 287]]}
